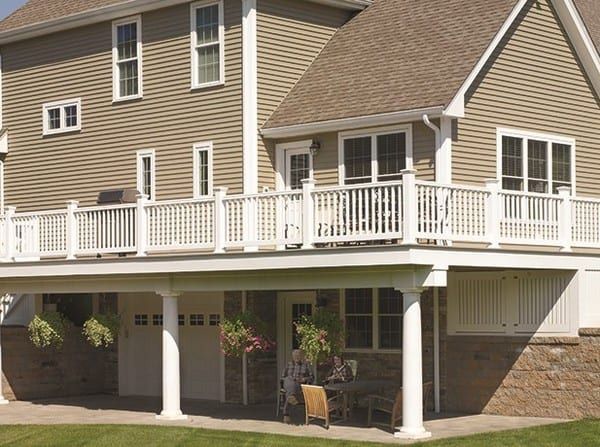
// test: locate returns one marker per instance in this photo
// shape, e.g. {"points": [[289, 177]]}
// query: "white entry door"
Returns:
{"points": [[292, 306], [298, 166]]}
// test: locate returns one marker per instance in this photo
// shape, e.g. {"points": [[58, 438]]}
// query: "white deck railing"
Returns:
{"points": [[407, 212]]}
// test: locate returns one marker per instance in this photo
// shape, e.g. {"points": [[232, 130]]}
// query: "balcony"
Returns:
{"points": [[408, 212]]}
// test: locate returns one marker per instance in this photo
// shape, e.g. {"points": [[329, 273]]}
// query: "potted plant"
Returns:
{"points": [[244, 334], [102, 330], [48, 330], [321, 336]]}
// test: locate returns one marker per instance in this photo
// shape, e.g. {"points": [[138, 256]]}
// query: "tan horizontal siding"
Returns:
{"points": [[44, 172], [290, 35], [534, 83]]}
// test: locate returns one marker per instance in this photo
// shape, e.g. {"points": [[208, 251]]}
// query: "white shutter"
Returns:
{"points": [[476, 303], [543, 301]]}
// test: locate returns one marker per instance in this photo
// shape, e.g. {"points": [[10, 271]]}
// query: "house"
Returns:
{"points": [[428, 170]]}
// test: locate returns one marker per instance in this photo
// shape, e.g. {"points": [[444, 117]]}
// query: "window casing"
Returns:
{"points": [[127, 59], [207, 43], [377, 156], [146, 174], [203, 170], [534, 162], [373, 319], [61, 116]]}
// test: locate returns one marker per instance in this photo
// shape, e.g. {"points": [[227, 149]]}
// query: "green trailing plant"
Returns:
{"points": [[244, 334], [102, 330], [48, 330], [321, 335]]}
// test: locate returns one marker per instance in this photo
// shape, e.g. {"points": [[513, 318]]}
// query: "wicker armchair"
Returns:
{"points": [[318, 406], [394, 407]]}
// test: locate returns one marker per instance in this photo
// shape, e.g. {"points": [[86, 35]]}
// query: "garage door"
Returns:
{"points": [[140, 349]]}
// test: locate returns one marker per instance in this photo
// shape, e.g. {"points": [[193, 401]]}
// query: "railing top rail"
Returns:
{"points": [[357, 186], [586, 200], [451, 186], [233, 197], [209, 199], [40, 214], [122, 206], [530, 194]]}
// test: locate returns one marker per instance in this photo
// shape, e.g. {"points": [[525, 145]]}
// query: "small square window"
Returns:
{"points": [[62, 117], [196, 320], [157, 320], [214, 320], [141, 320], [181, 320]]}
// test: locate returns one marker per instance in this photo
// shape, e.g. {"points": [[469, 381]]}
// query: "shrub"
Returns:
{"points": [[102, 330], [48, 330]]}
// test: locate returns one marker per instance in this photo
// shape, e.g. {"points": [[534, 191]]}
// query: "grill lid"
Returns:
{"points": [[117, 196]]}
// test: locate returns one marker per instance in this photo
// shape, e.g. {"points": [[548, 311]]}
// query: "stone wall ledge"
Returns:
{"points": [[572, 340], [517, 340], [589, 332]]}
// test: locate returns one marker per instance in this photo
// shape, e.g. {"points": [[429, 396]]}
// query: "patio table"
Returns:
{"points": [[350, 389]]}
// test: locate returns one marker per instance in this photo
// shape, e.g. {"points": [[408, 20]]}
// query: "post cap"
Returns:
{"points": [[11, 209], [492, 181], [142, 197], [408, 171], [564, 190], [308, 181], [73, 202], [221, 189]]}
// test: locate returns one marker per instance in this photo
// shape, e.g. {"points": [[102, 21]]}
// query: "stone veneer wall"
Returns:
{"points": [[545, 376], [77, 369]]}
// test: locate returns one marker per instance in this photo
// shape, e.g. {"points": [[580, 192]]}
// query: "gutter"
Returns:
{"points": [[124, 9], [351, 123]]}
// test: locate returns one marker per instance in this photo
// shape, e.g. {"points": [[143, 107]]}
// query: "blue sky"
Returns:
{"points": [[8, 6]]}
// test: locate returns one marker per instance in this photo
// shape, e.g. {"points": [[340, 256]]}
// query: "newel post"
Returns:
{"points": [[141, 230], [220, 217], [71, 229], [9, 234], [308, 214], [492, 205], [409, 207], [565, 218]]}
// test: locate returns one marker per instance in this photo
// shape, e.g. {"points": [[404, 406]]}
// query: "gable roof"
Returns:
{"points": [[42, 16], [396, 55], [590, 13]]}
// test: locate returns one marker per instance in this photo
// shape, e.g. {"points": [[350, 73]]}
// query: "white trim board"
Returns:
{"points": [[250, 96]]}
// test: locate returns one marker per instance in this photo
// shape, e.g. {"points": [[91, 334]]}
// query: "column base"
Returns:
{"points": [[411, 433], [3, 401], [178, 416]]}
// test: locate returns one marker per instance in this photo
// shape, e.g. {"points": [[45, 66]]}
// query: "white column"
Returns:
{"points": [[493, 213], [71, 229], [412, 368], [3, 401], [565, 219], [171, 371], [142, 225], [409, 207]]}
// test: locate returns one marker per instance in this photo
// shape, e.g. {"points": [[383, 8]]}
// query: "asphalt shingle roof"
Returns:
{"points": [[396, 55], [39, 11], [590, 12]]}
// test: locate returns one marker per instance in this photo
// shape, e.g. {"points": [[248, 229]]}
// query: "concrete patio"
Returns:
{"points": [[103, 409]]}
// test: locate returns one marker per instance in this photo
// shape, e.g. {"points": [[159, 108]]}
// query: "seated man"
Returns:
{"points": [[296, 373], [340, 372]]}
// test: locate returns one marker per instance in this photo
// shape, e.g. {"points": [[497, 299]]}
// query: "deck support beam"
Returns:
{"points": [[171, 369]]}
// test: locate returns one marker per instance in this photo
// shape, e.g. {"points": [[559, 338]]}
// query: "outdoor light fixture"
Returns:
{"points": [[315, 147]]}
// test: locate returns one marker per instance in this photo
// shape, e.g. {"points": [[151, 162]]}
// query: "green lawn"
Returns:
{"points": [[582, 433]]}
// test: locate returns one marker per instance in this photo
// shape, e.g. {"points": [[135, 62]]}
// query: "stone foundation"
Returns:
{"points": [[545, 377], [77, 369]]}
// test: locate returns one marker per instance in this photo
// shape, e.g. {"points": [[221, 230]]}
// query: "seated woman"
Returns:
{"points": [[340, 371], [296, 373]]}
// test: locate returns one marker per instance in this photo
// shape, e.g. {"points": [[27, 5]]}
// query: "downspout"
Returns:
{"points": [[438, 141]]}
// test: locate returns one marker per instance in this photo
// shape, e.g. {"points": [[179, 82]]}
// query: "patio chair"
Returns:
{"points": [[318, 406], [394, 407]]}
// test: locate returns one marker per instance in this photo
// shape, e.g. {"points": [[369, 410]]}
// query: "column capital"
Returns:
{"points": [[168, 294], [418, 290]]}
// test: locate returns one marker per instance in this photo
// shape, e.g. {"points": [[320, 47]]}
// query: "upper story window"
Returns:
{"points": [[62, 116], [127, 58], [535, 162], [375, 157], [373, 318], [145, 174], [203, 176], [208, 36]]}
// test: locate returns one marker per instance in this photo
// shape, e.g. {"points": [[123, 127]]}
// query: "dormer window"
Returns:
{"points": [[62, 116], [207, 35]]}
